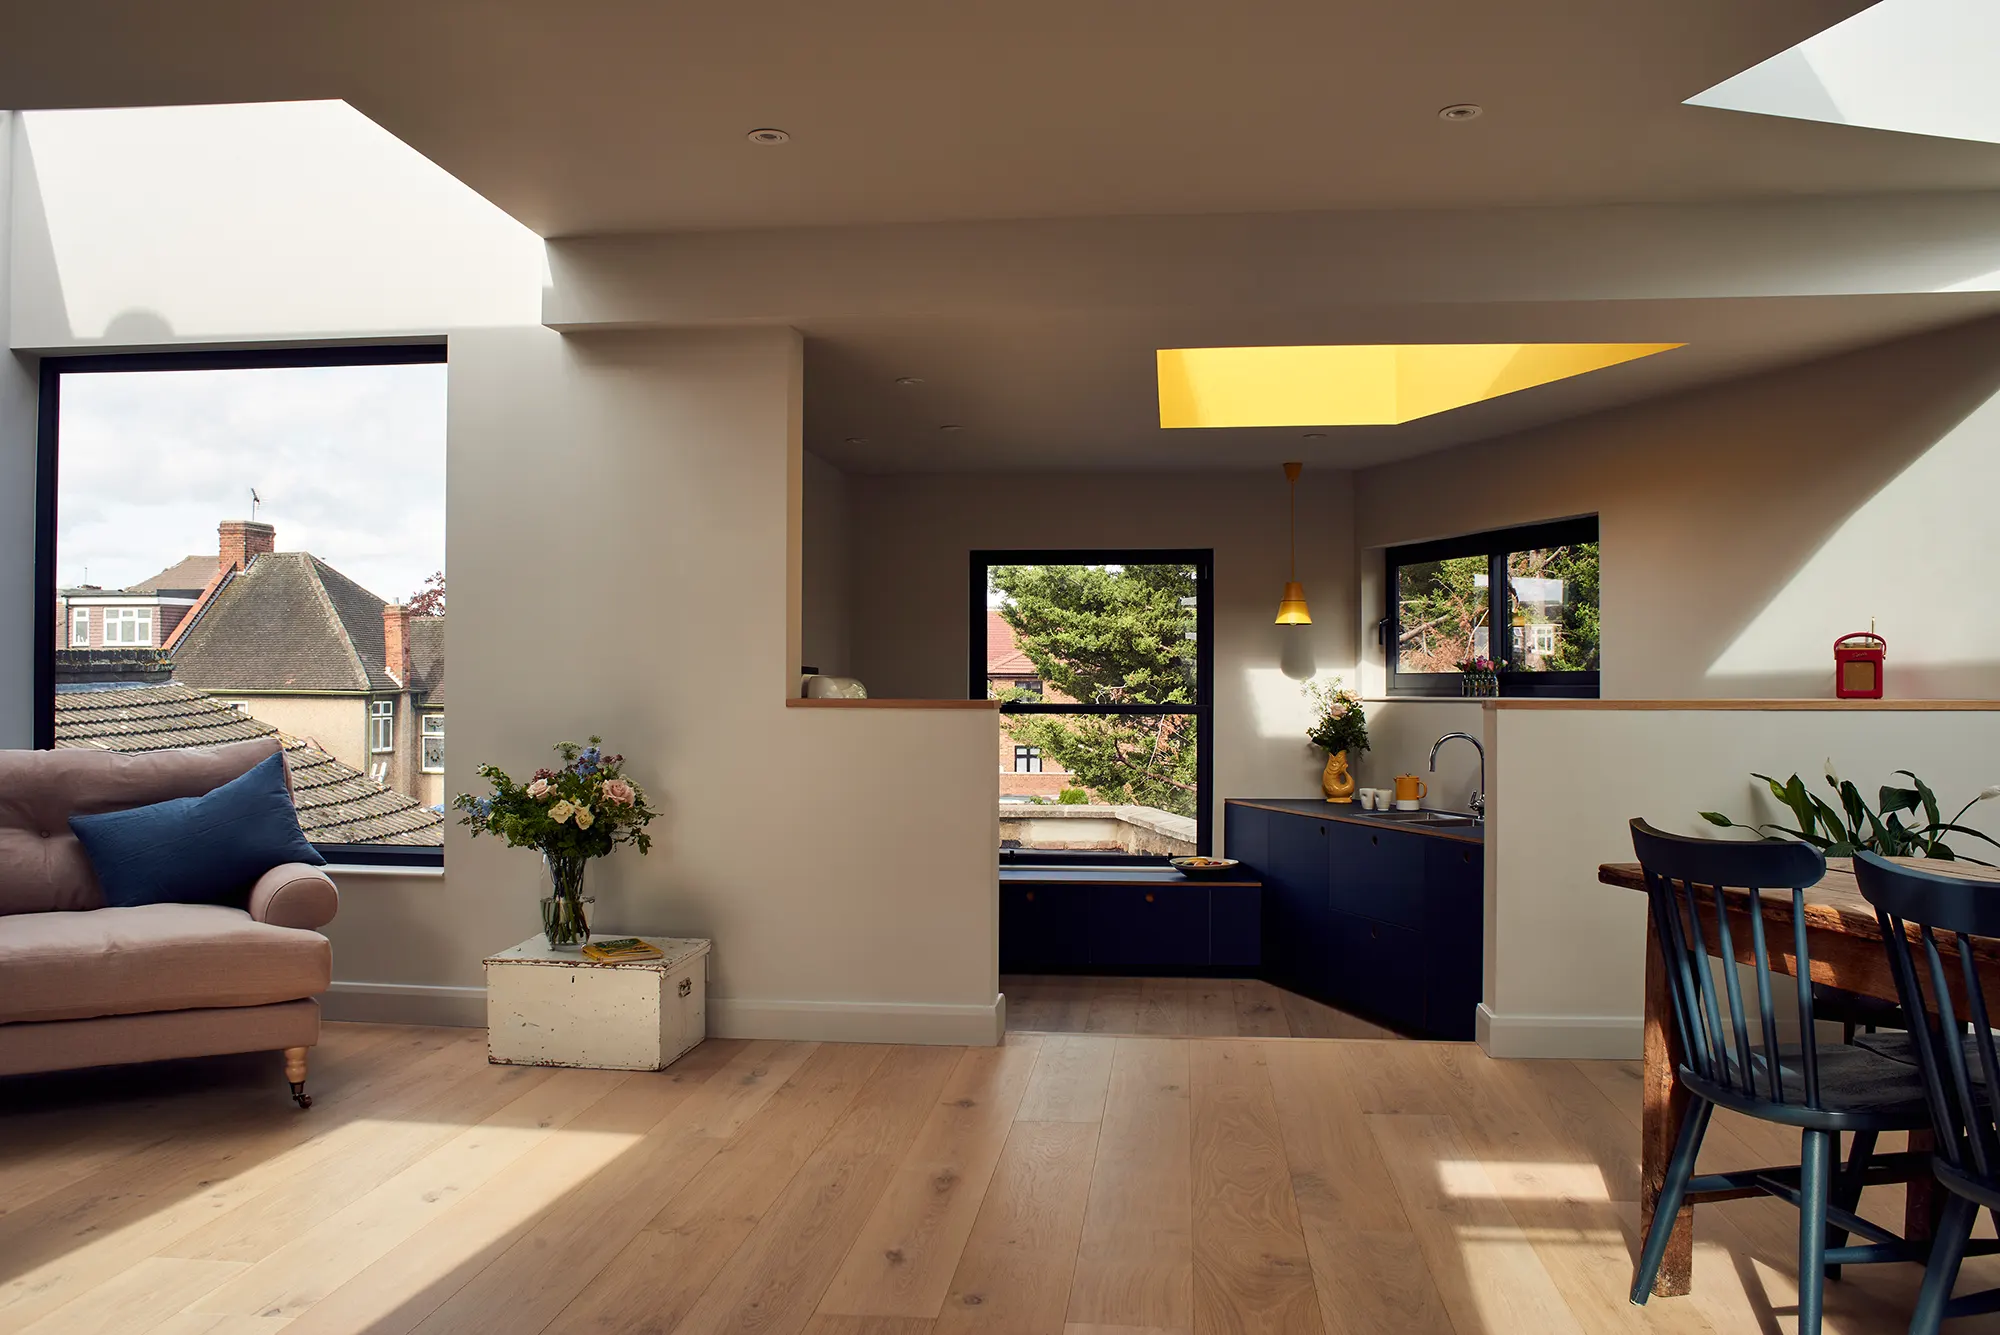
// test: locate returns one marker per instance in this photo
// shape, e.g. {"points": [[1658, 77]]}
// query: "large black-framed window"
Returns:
{"points": [[1524, 597], [1193, 711], [52, 372]]}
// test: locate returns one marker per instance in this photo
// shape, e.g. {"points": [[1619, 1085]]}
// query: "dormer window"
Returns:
{"points": [[124, 626]]}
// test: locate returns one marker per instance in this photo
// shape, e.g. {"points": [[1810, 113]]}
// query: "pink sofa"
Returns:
{"points": [[85, 985]]}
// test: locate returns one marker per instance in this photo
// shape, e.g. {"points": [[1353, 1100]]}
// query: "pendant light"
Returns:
{"points": [[1292, 610]]}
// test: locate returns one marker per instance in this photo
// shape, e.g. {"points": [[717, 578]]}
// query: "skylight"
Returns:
{"points": [[1914, 66], [1377, 384]]}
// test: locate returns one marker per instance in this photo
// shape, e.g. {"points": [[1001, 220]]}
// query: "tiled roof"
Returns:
{"points": [[336, 804], [427, 659], [1003, 651], [291, 622], [190, 574]]}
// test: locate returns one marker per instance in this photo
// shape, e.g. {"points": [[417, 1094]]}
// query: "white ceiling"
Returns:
{"points": [[629, 115], [1078, 392], [626, 116]]}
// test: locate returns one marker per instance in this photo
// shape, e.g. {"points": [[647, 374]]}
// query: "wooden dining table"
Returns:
{"points": [[1844, 945]]}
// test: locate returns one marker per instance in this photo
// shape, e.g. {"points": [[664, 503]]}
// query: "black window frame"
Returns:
{"points": [[1031, 755], [48, 452], [1495, 545], [1202, 559]]}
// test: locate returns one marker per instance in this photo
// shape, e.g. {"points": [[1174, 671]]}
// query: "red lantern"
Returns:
{"points": [[1857, 665]]}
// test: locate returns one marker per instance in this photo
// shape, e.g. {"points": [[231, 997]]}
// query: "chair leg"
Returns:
{"points": [[295, 1071], [1815, 1172], [1687, 1146], [1941, 1270], [1847, 1187]]}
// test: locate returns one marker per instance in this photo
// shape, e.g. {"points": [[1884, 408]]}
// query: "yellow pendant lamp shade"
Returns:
{"points": [[1292, 608]]}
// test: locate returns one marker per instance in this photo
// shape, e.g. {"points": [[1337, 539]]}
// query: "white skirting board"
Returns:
{"points": [[405, 1003], [1583, 1037], [728, 1017]]}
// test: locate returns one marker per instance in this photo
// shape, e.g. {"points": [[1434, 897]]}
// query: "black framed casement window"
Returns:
{"points": [[1525, 598], [217, 562], [1109, 757]]}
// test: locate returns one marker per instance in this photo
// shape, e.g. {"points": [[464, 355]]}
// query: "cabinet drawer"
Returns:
{"points": [[1235, 928], [1134, 927], [1379, 874], [1381, 969], [1043, 928], [1246, 836]]}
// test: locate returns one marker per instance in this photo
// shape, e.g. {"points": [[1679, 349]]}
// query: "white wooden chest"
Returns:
{"points": [[556, 1008]]}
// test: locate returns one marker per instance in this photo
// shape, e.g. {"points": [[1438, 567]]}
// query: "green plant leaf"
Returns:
{"points": [[1925, 795], [1717, 818], [1898, 799]]}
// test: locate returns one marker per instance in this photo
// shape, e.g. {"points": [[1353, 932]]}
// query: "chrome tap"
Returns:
{"points": [[1478, 803]]}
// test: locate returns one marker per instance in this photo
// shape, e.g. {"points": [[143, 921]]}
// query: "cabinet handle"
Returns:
{"points": [[1375, 839], [1374, 932], [1031, 896], [1149, 897]]}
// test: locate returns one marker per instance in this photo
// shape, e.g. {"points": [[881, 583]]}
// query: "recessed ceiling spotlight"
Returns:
{"points": [[767, 135], [951, 426], [907, 380], [1461, 111]]}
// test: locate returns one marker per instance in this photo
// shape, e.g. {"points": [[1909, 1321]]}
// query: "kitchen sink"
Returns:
{"points": [[1425, 817]]}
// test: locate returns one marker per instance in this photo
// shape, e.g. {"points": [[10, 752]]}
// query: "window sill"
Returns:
{"points": [[796, 702], [339, 869]]}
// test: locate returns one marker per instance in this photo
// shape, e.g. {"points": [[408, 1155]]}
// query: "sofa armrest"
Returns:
{"points": [[293, 894]]}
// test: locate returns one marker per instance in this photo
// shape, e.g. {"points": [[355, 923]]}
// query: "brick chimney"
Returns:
{"points": [[396, 640], [242, 541]]}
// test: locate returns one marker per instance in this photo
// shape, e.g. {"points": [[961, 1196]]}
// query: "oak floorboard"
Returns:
{"points": [[901, 1264], [1211, 1007], [773, 1282], [1071, 1076], [1163, 1008], [827, 1323], [1260, 1010], [1486, 1269], [657, 1276], [542, 1194], [297, 1275], [1113, 1006], [1013, 1277], [1135, 1261], [133, 1301], [1251, 1270], [75, 1239], [1370, 1275]]}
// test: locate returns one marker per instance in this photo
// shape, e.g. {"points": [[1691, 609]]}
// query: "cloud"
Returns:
{"points": [[349, 461]]}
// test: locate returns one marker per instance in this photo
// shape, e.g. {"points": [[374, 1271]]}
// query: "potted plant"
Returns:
{"points": [[571, 814], [1479, 676], [1340, 728], [1856, 827]]}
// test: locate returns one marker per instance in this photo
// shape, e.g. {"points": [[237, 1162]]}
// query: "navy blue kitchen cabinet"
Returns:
{"points": [[1376, 919], [1127, 920]]}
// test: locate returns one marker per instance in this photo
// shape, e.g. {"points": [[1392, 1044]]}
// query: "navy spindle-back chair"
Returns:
{"points": [[1745, 1049], [1929, 926]]}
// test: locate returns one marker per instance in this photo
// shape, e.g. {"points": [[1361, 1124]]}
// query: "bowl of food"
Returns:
{"points": [[1204, 869]]}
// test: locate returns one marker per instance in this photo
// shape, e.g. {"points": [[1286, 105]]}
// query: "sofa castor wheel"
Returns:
{"points": [[295, 1071], [299, 1096]]}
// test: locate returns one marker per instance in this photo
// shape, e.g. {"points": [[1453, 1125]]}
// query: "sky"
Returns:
{"points": [[348, 462]]}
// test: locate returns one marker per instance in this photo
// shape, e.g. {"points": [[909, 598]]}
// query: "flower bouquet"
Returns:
{"points": [[1479, 676], [571, 814], [1340, 725]]}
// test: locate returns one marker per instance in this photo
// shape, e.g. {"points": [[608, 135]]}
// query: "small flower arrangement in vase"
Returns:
{"points": [[571, 814], [1340, 727], [1479, 676]]}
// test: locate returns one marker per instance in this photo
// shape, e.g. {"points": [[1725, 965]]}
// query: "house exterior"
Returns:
{"points": [[143, 616], [293, 642], [1025, 773], [336, 803]]}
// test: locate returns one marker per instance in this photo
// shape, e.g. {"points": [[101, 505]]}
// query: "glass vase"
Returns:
{"points": [[565, 909]]}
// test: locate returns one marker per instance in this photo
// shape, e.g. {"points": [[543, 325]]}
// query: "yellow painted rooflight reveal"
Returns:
{"points": [[1363, 384]]}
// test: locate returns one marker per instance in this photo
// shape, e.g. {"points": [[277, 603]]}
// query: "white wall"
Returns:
{"points": [[17, 490], [913, 536], [1566, 954], [1747, 525], [826, 574], [647, 484]]}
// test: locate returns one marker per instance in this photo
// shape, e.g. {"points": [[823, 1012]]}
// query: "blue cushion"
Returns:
{"points": [[197, 850]]}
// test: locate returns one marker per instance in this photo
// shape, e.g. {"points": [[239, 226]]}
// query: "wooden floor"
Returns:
{"points": [[1173, 1008], [1057, 1185]]}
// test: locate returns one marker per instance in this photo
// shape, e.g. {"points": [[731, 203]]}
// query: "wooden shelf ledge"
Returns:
{"points": [[798, 703], [1831, 706]]}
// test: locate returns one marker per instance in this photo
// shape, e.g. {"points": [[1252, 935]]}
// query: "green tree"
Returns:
{"points": [[1441, 604], [1109, 635]]}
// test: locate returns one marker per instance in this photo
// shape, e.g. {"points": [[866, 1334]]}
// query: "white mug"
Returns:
{"points": [[1367, 796]]}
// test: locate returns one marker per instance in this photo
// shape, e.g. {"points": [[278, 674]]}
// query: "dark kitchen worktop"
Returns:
{"points": [[1473, 832]]}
